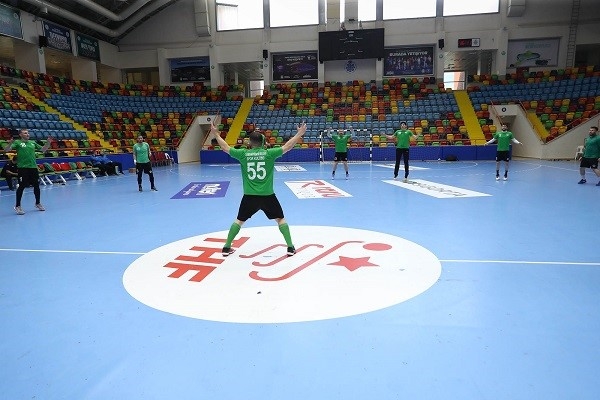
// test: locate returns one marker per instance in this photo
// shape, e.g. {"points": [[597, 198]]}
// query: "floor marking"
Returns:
{"points": [[522, 262], [446, 261], [435, 189], [73, 251]]}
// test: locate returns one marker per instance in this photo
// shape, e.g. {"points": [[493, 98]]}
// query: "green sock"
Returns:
{"points": [[285, 231], [233, 231]]}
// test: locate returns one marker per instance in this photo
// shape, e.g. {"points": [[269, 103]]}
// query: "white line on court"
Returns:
{"points": [[446, 261], [521, 262], [71, 251]]}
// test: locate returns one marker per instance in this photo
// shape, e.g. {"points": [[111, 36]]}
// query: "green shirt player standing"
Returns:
{"points": [[141, 158], [402, 137], [504, 138], [591, 154], [257, 167], [341, 148], [27, 167]]}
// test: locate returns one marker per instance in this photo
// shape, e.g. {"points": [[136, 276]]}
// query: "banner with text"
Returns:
{"points": [[532, 53], [195, 69], [10, 22], [87, 47], [408, 61], [295, 66], [59, 38]]}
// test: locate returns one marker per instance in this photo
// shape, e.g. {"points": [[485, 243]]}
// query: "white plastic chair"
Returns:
{"points": [[578, 152]]}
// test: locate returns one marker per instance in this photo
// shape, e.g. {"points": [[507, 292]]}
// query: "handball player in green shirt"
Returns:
{"points": [[257, 166], [141, 159], [341, 141], [504, 137], [402, 137], [591, 153], [27, 166]]}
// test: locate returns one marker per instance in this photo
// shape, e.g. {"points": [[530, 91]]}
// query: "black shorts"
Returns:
{"points": [[144, 167], [340, 156], [29, 177], [251, 204], [589, 163], [503, 156]]}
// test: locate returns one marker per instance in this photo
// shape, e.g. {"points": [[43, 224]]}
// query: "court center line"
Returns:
{"points": [[445, 261], [522, 262], [72, 251]]}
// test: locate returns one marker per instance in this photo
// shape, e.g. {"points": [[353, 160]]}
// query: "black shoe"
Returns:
{"points": [[227, 251], [154, 188], [140, 188], [291, 251], [581, 182]]}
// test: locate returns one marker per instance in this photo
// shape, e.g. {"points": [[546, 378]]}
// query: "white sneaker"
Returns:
{"points": [[497, 177], [506, 178], [19, 210], [40, 207], [405, 180]]}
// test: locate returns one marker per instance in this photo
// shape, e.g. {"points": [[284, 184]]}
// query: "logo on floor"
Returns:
{"points": [[199, 190], [434, 189], [289, 168], [336, 272], [317, 189]]}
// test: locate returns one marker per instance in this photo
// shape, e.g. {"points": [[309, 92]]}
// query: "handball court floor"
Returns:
{"points": [[491, 292]]}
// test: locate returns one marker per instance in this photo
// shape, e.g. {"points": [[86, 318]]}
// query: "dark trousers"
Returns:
{"points": [[401, 153]]}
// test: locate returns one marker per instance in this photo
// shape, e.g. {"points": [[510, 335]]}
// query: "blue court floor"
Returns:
{"points": [[450, 286]]}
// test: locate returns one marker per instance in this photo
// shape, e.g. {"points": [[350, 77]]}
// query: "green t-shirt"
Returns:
{"points": [[592, 147], [257, 168], [503, 139], [403, 138], [140, 150], [341, 142], [25, 153]]}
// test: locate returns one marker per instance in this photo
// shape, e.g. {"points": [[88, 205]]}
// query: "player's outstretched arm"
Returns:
{"points": [[492, 140], [514, 140], [214, 131], [287, 146], [8, 145]]}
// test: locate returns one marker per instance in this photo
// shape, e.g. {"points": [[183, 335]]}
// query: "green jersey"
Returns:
{"points": [[141, 150], [592, 147], [25, 153], [257, 168], [341, 142], [503, 138], [403, 138]]}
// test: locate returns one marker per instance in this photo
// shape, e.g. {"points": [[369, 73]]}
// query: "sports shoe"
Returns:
{"points": [[347, 176], [140, 188], [291, 251], [497, 177], [598, 184], [581, 182], [333, 176], [395, 178], [154, 188], [19, 210], [227, 251], [40, 207], [405, 180]]}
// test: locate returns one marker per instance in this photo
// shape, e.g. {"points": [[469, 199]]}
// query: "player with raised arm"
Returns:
{"points": [[257, 168]]}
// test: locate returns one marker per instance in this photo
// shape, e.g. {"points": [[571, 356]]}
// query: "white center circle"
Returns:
{"points": [[336, 272]]}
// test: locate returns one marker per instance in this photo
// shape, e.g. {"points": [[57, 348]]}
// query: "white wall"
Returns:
{"points": [[541, 19]]}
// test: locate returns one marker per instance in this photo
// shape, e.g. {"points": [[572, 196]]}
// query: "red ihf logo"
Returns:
{"points": [[336, 272]]}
